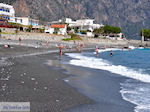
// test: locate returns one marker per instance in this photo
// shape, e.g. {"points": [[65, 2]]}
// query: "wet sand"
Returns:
{"points": [[101, 86]]}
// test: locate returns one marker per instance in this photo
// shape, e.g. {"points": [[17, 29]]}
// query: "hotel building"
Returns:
{"points": [[7, 13]]}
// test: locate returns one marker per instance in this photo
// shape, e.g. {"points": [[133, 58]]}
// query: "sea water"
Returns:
{"points": [[134, 64]]}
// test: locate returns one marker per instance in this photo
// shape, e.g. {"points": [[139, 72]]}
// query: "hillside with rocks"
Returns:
{"points": [[131, 15]]}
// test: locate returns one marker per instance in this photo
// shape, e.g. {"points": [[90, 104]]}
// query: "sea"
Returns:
{"points": [[133, 64]]}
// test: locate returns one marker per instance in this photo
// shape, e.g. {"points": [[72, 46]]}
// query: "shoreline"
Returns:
{"points": [[76, 97], [86, 80]]}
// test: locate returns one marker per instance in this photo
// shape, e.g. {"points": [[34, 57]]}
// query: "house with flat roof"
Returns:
{"points": [[86, 24], [70, 21], [7, 12], [57, 29], [26, 21]]}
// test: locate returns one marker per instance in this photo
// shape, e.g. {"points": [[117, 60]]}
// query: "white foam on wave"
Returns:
{"points": [[131, 92], [138, 94], [96, 63]]}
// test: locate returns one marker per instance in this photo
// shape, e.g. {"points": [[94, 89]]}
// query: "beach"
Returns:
{"points": [[29, 79], [38, 75]]}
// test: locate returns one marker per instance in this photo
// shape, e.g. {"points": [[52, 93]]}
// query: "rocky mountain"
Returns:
{"points": [[131, 15]]}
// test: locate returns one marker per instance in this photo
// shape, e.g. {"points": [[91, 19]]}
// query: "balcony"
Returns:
{"points": [[4, 10], [6, 13]]}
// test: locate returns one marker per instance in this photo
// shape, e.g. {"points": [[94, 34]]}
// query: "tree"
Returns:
{"points": [[145, 33], [68, 28], [111, 29], [108, 30], [76, 29], [99, 31]]}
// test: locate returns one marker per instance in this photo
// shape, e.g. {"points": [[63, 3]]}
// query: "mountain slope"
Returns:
{"points": [[131, 15]]}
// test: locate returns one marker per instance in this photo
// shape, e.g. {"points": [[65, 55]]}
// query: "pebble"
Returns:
{"points": [[66, 80], [22, 82], [4, 79], [57, 100], [32, 79], [45, 87], [3, 69]]}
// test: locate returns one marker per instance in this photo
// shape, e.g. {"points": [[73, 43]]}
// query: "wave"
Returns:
{"points": [[138, 94], [97, 63], [135, 91]]}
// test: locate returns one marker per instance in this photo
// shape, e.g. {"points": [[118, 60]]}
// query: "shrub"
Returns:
{"points": [[73, 37]]}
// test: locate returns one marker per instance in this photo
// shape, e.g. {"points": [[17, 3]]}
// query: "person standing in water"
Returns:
{"points": [[60, 49], [97, 50]]}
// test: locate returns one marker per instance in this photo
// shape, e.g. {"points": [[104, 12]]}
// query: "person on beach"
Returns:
{"points": [[81, 45], [60, 49], [20, 41], [78, 47], [7, 46]]}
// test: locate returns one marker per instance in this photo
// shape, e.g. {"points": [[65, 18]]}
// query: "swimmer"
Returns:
{"points": [[111, 54]]}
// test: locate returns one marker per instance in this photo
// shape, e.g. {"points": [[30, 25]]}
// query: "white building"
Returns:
{"points": [[26, 21], [86, 24], [70, 21], [60, 29], [7, 12], [119, 36]]}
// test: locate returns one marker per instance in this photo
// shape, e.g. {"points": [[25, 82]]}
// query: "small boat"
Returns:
{"points": [[140, 47]]}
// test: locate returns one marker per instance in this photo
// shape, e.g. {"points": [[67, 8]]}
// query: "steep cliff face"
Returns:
{"points": [[131, 15], [21, 8]]}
